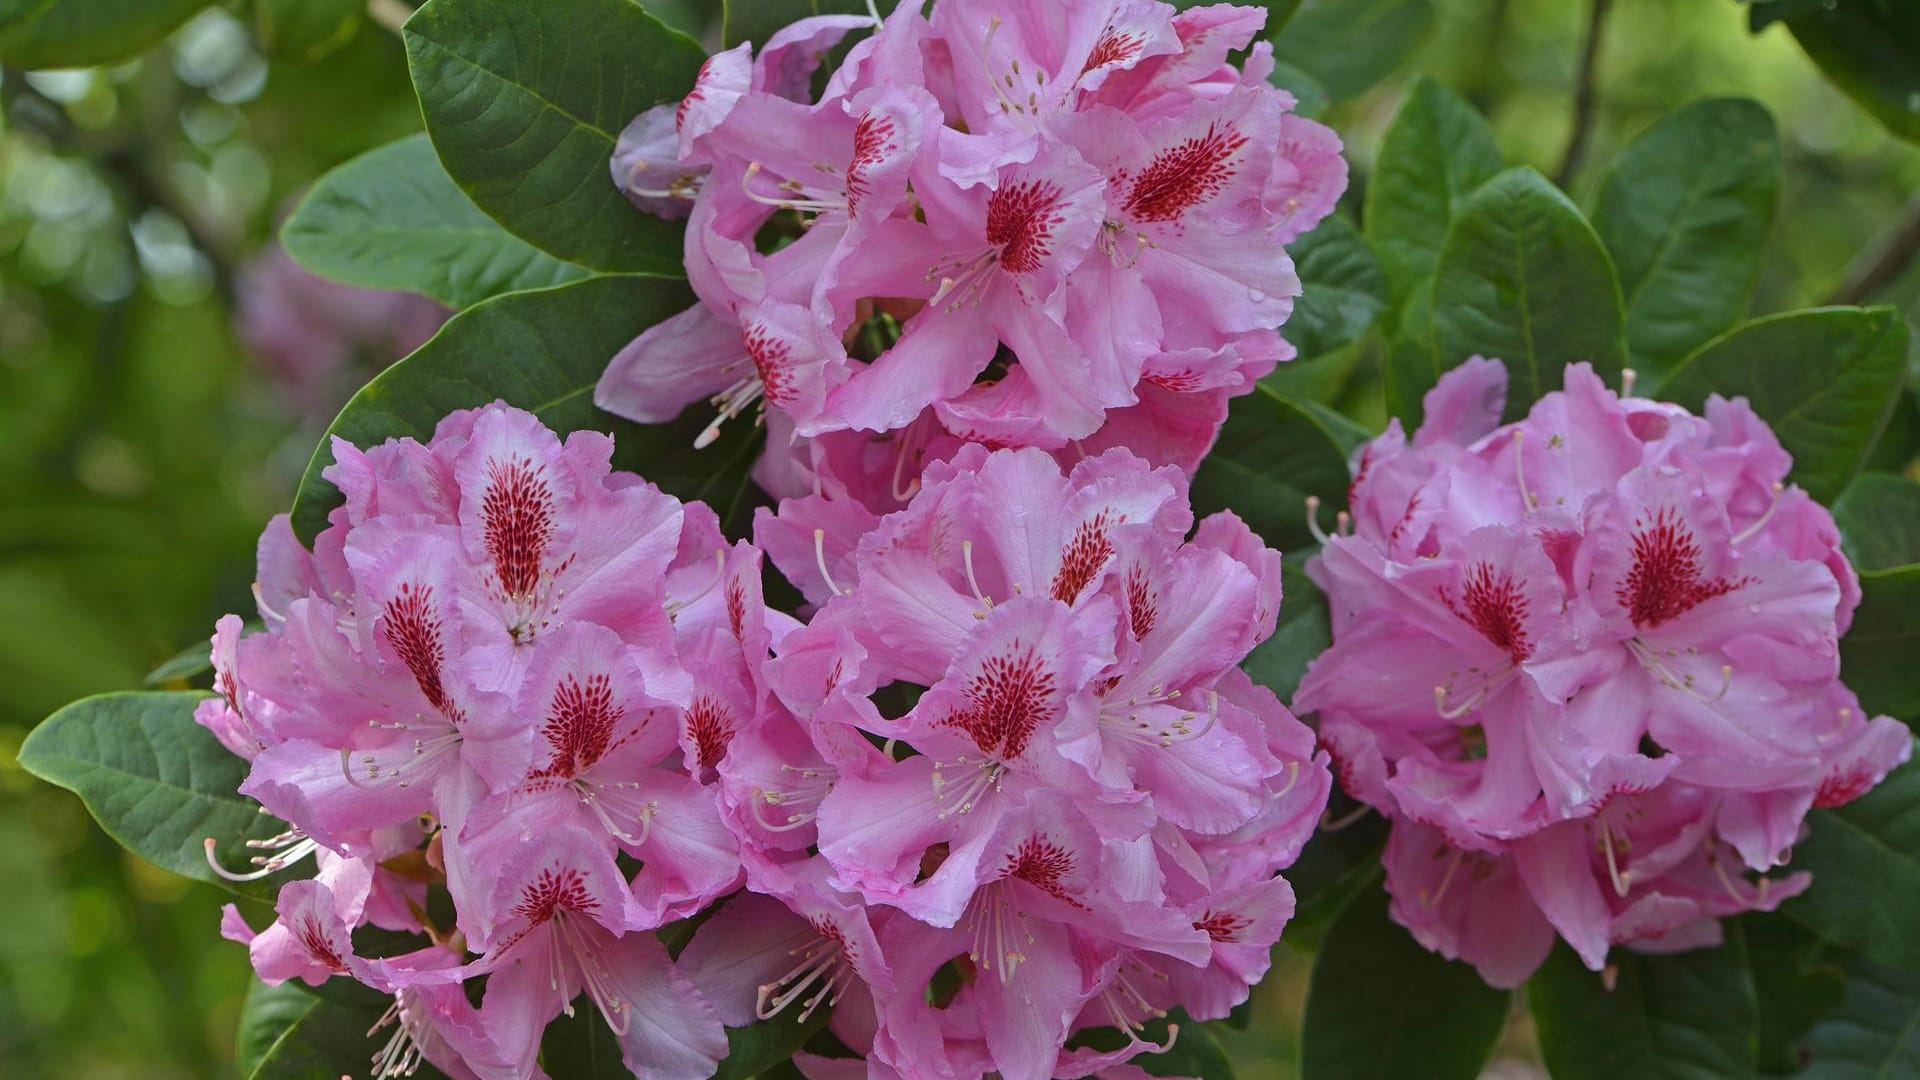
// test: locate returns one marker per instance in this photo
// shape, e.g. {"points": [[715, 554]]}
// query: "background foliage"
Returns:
{"points": [[141, 446]]}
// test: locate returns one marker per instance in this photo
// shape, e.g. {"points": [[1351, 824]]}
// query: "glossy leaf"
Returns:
{"points": [[1523, 279], [289, 1032], [1336, 866], [1195, 1051], [1797, 980], [754, 1049], [1685, 211], [1877, 655], [1310, 99], [1303, 632], [1348, 45], [1688, 1016], [543, 351], [1437, 152], [1879, 517], [757, 20], [1875, 1033], [1865, 860], [306, 30], [157, 782], [1381, 1006], [1868, 48], [1343, 290], [81, 33], [1274, 451], [1826, 379], [393, 219], [525, 103]]}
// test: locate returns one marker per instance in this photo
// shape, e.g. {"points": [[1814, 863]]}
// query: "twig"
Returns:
{"points": [[1889, 257], [390, 14], [1583, 95]]}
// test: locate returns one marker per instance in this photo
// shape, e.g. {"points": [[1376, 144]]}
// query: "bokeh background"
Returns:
{"points": [[164, 374]]}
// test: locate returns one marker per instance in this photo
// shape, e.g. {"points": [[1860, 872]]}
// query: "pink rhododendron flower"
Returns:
{"points": [[1588, 663], [999, 222]]}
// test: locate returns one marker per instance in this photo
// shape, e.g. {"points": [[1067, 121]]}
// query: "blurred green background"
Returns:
{"points": [[163, 378]]}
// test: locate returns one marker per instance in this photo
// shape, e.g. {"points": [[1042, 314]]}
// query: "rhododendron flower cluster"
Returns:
{"points": [[1008, 785], [1048, 225], [1587, 663]]}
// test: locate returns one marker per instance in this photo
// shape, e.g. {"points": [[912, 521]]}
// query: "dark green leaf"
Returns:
{"points": [[16, 11], [1875, 1033], [157, 782], [1348, 45], [1826, 379], [1871, 50], [1865, 860], [757, 20], [288, 1032], [525, 103], [1879, 516], [1689, 1016], [1436, 153], [1302, 634], [81, 33], [1381, 1006], [393, 219], [1685, 211], [1523, 279], [1336, 866], [306, 30], [1195, 1051], [1274, 451], [1877, 655], [1342, 289], [756, 1048], [1310, 98], [543, 351], [1796, 981], [188, 663], [582, 1047]]}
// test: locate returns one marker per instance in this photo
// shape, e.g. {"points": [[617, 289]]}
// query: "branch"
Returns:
{"points": [[1891, 255], [1583, 96]]}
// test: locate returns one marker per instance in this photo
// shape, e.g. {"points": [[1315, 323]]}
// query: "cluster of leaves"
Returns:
{"points": [[503, 209]]}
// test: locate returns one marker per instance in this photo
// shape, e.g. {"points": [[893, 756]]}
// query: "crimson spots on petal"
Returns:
{"points": [[1114, 47], [1085, 554], [1841, 787], [580, 725], [1021, 218], [412, 628], [553, 892], [1143, 612], [1223, 925], [1666, 580], [736, 608], [1492, 603], [873, 140], [1044, 865], [518, 513], [694, 96], [1175, 382], [1185, 175], [773, 359], [710, 725], [1007, 702], [313, 938]]}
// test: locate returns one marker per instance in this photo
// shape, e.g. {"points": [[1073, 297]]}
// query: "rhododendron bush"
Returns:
{"points": [[883, 577]]}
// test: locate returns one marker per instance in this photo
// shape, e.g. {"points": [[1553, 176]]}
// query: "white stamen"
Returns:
{"points": [[820, 559], [1627, 378], [1759, 523], [966, 554], [289, 847], [1313, 519], [1520, 468]]}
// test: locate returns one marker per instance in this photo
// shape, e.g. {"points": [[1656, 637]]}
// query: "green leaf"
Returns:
{"points": [[582, 1047], [1684, 211], [1879, 517], [1335, 867], [1877, 655], [541, 350], [1302, 634], [18, 11], [1436, 153], [157, 782], [757, 20], [1875, 1033], [393, 219], [1343, 290], [288, 1032], [82, 33], [1865, 860], [1794, 984], [306, 30], [1868, 48], [1689, 1016], [1195, 1052], [525, 103], [1380, 1005], [1274, 451], [1826, 379], [1348, 45], [193, 661], [1522, 278], [1310, 99], [754, 1049]]}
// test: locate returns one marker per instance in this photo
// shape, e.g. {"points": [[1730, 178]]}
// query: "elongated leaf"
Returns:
{"points": [[1274, 451], [1336, 866], [1522, 278], [13, 12], [1685, 212], [289, 1032], [541, 350], [1343, 290], [1380, 1006], [1877, 655], [1348, 45], [1195, 1051], [1303, 633], [757, 20], [754, 1049], [1826, 379], [1689, 1016], [1797, 980], [306, 30], [1436, 153], [1875, 1033], [157, 782], [189, 663], [583, 1047], [80, 33], [1865, 860], [393, 219], [1868, 48], [525, 103], [1879, 517]]}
